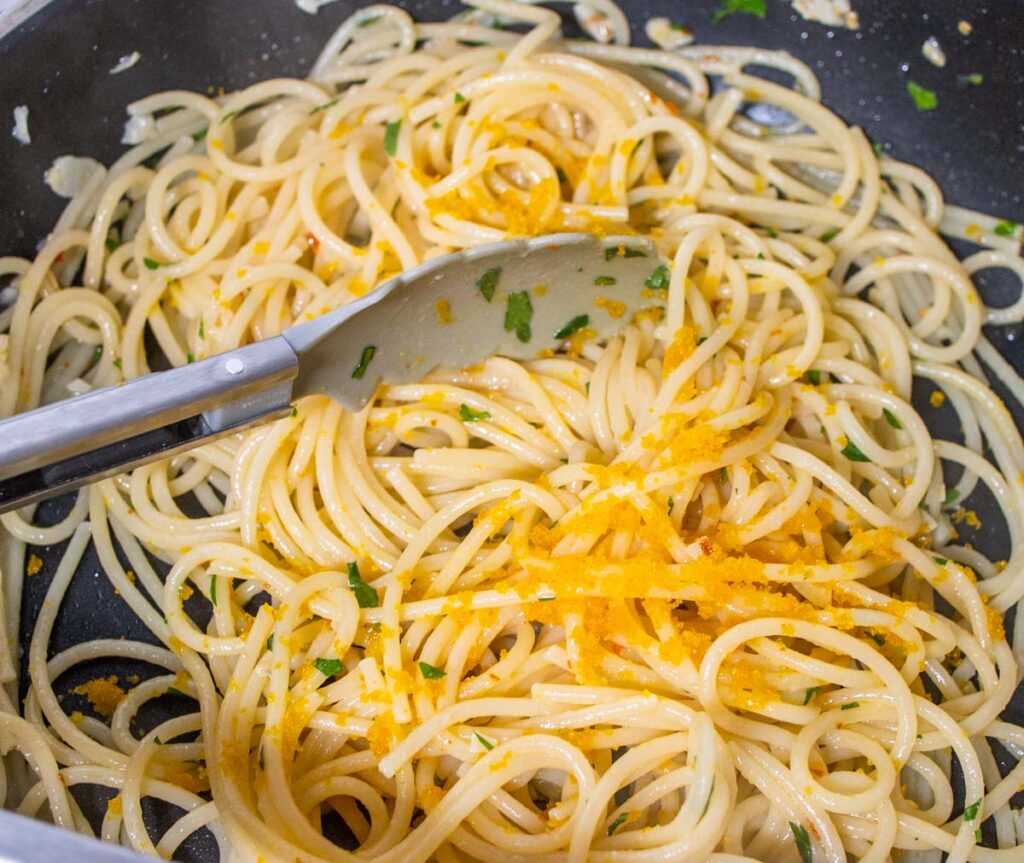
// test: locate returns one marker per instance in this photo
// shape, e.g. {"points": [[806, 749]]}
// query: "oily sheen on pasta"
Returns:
{"points": [[692, 594]]}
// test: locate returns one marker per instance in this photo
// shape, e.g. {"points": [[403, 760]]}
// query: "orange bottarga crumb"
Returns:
{"points": [[103, 694]]}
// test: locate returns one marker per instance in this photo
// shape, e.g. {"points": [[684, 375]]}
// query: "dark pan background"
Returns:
{"points": [[57, 64]]}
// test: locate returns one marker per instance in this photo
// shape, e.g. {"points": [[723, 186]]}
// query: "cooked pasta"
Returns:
{"points": [[693, 593]]}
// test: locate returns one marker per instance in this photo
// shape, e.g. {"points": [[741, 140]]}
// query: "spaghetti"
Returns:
{"points": [[695, 593]]}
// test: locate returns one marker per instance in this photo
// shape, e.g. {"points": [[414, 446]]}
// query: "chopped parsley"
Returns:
{"points": [[111, 244], [328, 667], [617, 823], [810, 693], [366, 596], [671, 505], [575, 325], [951, 496], [295, 412], [391, 137], [213, 589], [971, 812], [878, 639], [941, 561], [853, 453], [150, 263], [747, 7], [368, 20], [850, 705], [488, 282], [878, 148], [803, 842], [117, 363], [924, 99], [270, 642], [459, 98], [771, 232], [562, 176], [158, 741], [190, 357], [200, 135], [1006, 229], [436, 124], [975, 79], [623, 252], [659, 279], [230, 115], [829, 236], [814, 376], [324, 106], [518, 313], [173, 690], [891, 418], [364, 360], [468, 415], [602, 281], [431, 672], [484, 742], [202, 329]]}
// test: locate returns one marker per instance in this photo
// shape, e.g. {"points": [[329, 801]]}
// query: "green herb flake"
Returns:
{"points": [[975, 79], [202, 329], [270, 642], [200, 135], [602, 281], [324, 106], [829, 236], [366, 596], [814, 376], [391, 137], [328, 667], [941, 561], [853, 453], [364, 360], [977, 836], [659, 279], [623, 252], [891, 418], [562, 176], [617, 823], [518, 313], [190, 357], [723, 475], [117, 363], [468, 415], [111, 244], [431, 672], [173, 690], [971, 812], [150, 263], [436, 124], [459, 98], [878, 148], [803, 842], [295, 412], [924, 99], [810, 693], [573, 326], [229, 116], [746, 7], [850, 705], [1006, 229], [484, 742], [952, 496], [878, 639], [158, 741], [488, 282], [213, 589], [368, 20]]}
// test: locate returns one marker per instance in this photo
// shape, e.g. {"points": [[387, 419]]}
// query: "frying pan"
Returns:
{"points": [[55, 57]]}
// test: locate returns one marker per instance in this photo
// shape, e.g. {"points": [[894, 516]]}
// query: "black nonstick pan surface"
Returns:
{"points": [[56, 62]]}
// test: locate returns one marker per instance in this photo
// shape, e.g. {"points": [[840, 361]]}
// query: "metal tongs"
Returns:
{"points": [[515, 298]]}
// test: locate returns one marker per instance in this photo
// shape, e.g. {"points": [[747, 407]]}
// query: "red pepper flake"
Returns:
{"points": [[312, 242]]}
